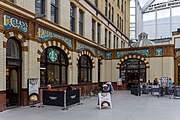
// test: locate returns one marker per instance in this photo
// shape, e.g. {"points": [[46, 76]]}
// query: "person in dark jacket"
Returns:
{"points": [[69, 87]]}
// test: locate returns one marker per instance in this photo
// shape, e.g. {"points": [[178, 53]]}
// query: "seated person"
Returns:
{"points": [[69, 87], [49, 88], [105, 88]]}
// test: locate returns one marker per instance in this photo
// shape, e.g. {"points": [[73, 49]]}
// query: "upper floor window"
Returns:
{"points": [[118, 3], [120, 24], [81, 15], [114, 42], [93, 29], [13, 1], [72, 17], [109, 40], [112, 14], [117, 20], [96, 3], [99, 33], [40, 6], [106, 37], [54, 11], [117, 43], [109, 11], [122, 5], [106, 7]]}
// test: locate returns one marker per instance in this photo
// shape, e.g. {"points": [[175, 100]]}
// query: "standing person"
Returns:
{"points": [[170, 82], [155, 81], [69, 87]]}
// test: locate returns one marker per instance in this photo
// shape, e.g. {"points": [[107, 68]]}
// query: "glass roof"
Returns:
{"points": [[143, 2]]}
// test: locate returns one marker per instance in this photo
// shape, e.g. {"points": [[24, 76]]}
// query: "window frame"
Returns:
{"points": [[45, 62], [42, 7], [99, 33], [93, 29], [88, 67], [109, 40], [55, 6], [72, 17], [105, 37], [81, 22]]}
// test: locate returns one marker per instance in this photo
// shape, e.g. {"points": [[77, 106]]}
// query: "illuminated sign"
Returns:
{"points": [[10, 21], [43, 34]]}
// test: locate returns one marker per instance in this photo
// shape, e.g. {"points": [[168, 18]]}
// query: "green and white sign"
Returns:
{"points": [[53, 56]]}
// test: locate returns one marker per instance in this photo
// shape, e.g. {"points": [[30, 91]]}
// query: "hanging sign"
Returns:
{"points": [[104, 100]]}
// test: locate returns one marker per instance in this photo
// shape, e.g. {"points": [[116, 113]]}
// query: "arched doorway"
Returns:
{"points": [[84, 69], [132, 71], [13, 72], [53, 67]]}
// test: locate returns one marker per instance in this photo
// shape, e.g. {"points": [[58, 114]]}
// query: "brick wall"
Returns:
{"points": [[2, 101]]}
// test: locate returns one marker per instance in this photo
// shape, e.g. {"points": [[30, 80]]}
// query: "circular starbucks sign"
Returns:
{"points": [[53, 55]]}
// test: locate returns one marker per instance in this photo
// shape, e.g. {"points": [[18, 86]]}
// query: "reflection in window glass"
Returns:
{"points": [[53, 74]]}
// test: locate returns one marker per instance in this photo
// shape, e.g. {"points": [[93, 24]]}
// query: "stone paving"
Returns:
{"points": [[125, 107]]}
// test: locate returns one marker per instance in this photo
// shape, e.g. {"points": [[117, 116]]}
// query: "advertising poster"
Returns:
{"points": [[33, 89], [164, 81], [104, 100]]}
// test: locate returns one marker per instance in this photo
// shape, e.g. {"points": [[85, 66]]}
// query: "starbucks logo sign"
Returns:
{"points": [[53, 55]]}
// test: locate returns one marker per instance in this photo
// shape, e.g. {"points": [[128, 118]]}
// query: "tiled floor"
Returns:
{"points": [[125, 107]]}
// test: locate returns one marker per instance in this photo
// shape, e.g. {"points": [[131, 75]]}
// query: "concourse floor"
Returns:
{"points": [[125, 107]]}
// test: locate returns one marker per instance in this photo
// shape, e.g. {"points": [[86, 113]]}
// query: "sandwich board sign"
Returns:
{"points": [[104, 100], [33, 89]]}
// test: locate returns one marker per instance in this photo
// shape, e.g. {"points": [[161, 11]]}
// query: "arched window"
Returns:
{"points": [[132, 71], [84, 69], [53, 68], [13, 49]]}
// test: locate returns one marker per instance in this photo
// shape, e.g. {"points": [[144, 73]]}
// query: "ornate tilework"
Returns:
{"points": [[100, 53], [81, 47], [44, 34], [178, 53], [10, 21], [144, 52], [159, 52], [108, 54]]}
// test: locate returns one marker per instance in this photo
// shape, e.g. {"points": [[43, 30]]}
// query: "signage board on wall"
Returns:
{"points": [[44, 34], [104, 100], [10, 21]]}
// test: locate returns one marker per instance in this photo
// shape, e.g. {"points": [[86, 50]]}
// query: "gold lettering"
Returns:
{"points": [[40, 33], [12, 20], [4, 20]]}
